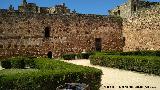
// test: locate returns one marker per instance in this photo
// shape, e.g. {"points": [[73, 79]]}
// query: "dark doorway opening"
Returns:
{"points": [[47, 32], [98, 44], [124, 39], [49, 54], [135, 8], [119, 12]]}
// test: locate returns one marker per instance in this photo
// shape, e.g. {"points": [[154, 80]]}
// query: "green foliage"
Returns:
{"points": [[142, 53], [134, 53], [79, 56], [84, 55], [147, 64], [18, 62], [48, 74], [6, 64], [69, 56]]}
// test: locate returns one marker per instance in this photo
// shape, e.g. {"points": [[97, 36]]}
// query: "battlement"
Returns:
{"points": [[26, 7], [4, 14]]}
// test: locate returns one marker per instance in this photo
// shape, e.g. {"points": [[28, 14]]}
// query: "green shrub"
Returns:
{"points": [[141, 53], [84, 55], [145, 64], [49, 74], [6, 64], [69, 56], [135, 53], [18, 62], [112, 53], [79, 56]]}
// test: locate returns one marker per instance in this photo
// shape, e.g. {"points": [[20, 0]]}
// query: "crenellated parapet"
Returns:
{"points": [[26, 7]]}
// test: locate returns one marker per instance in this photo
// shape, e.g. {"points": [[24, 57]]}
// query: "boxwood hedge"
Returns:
{"points": [[18, 62], [147, 64], [48, 74], [135, 53], [79, 56]]}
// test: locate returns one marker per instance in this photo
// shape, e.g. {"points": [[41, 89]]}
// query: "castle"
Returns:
{"points": [[33, 30], [33, 8]]}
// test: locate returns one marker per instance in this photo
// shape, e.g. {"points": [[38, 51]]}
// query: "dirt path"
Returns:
{"points": [[121, 79]]}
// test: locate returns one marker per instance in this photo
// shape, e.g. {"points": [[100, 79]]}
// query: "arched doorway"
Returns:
{"points": [[49, 54]]}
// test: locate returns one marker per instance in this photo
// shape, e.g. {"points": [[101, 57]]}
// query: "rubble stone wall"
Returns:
{"points": [[142, 31], [24, 33]]}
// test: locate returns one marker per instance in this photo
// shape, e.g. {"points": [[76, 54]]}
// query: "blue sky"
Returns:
{"points": [[81, 6]]}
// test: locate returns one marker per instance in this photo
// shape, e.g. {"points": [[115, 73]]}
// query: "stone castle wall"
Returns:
{"points": [[142, 30], [24, 33]]}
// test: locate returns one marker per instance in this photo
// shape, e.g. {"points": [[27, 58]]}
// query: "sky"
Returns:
{"points": [[100, 7]]}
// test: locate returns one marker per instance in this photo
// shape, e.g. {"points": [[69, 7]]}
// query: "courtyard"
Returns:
{"points": [[116, 79]]}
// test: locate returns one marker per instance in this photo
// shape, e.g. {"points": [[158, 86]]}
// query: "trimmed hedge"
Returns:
{"points": [[79, 56], [84, 55], [144, 64], [142, 53], [69, 56], [48, 74], [18, 62], [135, 53], [6, 64]]}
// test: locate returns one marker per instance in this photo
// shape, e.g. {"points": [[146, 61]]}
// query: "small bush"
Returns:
{"points": [[79, 56], [134, 63], [18, 62], [135, 53], [84, 55], [69, 56], [6, 64]]}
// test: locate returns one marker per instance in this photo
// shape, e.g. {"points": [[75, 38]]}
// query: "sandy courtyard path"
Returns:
{"points": [[115, 79]]}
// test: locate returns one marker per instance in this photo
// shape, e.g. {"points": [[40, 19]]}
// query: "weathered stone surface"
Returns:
{"points": [[142, 31], [25, 33], [128, 9], [62, 32]]}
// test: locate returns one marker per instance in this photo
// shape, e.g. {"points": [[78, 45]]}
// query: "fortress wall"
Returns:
{"points": [[142, 31], [25, 33]]}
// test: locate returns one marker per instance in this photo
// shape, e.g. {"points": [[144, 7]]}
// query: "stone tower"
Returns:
{"points": [[134, 5], [126, 10]]}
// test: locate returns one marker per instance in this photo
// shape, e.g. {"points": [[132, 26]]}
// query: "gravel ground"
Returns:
{"points": [[1, 66], [115, 79]]}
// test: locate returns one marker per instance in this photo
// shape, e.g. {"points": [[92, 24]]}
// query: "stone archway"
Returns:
{"points": [[49, 54]]}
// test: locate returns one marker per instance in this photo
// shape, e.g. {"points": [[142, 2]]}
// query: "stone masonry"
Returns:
{"points": [[38, 34], [141, 24], [33, 30], [128, 9], [142, 30]]}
